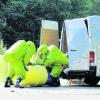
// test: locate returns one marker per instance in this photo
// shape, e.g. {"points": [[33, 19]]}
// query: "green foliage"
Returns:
{"points": [[95, 9], [2, 47], [21, 19]]}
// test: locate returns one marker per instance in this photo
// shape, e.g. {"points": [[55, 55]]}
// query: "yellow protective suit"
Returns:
{"points": [[16, 51], [18, 56], [3, 69], [35, 76], [53, 58]]}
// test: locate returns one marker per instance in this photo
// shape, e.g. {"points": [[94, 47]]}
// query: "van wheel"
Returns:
{"points": [[91, 81]]}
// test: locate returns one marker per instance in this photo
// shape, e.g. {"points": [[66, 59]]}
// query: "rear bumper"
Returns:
{"points": [[79, 74]]}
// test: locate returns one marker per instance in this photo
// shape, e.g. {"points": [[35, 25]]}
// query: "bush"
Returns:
{"points": [[2, 47]]}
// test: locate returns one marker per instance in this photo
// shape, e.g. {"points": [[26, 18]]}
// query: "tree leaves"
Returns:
{"points": [[21, 19]]}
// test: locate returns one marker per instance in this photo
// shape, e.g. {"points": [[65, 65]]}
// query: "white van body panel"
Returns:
{"points": [[82, 37], [78, 44], [94, 36]]}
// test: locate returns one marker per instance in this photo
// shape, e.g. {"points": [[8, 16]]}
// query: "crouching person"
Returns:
{"points": [[54, 60], [18, 56]]}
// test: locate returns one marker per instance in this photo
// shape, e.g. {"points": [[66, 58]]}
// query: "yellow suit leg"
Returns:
{"points": [[20, 70], [11, 70]]}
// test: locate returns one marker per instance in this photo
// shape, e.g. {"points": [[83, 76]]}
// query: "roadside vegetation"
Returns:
{"points": [[21, 19]]}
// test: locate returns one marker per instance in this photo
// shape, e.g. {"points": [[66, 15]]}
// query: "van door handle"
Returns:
{"points": [[72, 50]]}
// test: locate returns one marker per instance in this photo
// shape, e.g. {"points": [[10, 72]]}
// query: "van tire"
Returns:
{"points": [[91, 81]]}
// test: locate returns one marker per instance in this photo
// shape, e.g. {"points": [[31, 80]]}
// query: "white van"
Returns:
{"points": [[80, 39]]}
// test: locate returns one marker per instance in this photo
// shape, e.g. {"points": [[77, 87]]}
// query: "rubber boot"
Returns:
{"points": [[56, 82], [11, 82], [7, 82], [17, 85]]}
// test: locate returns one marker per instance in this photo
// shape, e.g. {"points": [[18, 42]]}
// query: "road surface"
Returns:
{"points": [[65, 92]]}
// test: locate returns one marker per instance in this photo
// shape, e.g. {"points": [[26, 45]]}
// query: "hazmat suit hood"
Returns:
{"points": [[42, 52], [30, 51]]}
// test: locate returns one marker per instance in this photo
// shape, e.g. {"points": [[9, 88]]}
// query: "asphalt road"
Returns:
{"points": [[65, 92]]}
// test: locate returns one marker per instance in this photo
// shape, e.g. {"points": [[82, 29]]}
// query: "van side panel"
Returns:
{"points": [[78, 44]]}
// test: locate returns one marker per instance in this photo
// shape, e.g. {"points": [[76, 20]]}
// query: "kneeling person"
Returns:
{"points": [[18, 56], [54, 60]]}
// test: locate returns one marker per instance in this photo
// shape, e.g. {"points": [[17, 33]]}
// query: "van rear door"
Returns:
{"points": [[78, 44]]}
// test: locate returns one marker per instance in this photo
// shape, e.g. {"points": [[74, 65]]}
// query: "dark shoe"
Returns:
{"points": [[17, 85], [54, 82], [11, 82], [7, 82]]}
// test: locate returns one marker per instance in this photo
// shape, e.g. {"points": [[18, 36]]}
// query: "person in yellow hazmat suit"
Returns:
{"points": [[18, 56], [53, 59]]}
